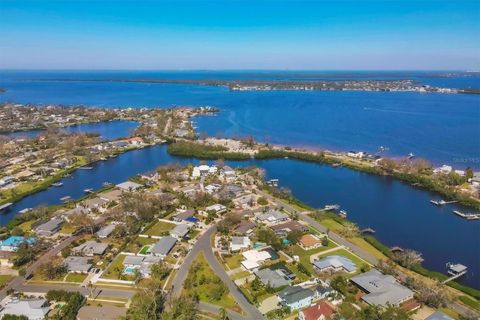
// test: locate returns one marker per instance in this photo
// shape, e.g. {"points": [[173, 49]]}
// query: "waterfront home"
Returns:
{"points": [[318, 311], [239, 243], [309, 241], [295, 297], [245, 227], [381, 289], [12, 243], [78, 264], [94, 203], [49, 228], [273, 278], [356, 154], [6, 181], [129, 186], [283, 229], [475, 180], [163, 246], [90, 248], [113, 195], [228, 174], [180, 231], [104, 232], [140, 263], [335, 263], [272, 217], [32, 309], [445, 169], [216, 208]]}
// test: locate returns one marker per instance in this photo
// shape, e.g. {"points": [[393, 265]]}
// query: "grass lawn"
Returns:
{"points": [[26, 226], [193, 233], [475, 304], [75, 277], [234, 261], [144, 250], [240, 275], [331, 224], [206, 284], [159, 228], [4, 279], [304, 255], [139, 243], [368, 247], [67, 228], [115, 269]]}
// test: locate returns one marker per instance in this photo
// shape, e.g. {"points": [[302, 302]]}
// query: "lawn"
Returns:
{"points": [[233, 261], [67, 228], [144, 250], [139, 243], [240, 275], [159, 228], [4, 279], [304, 255], [208, 285], [75, 277], [115, 269]]}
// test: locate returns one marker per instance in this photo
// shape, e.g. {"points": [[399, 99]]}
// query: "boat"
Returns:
{"points": [[332, 207], [411, 155], [85, 168], [25, 210], [336, 165], [88, 190], [66, 198], [107, 184], [342, 213], [57, 184]]}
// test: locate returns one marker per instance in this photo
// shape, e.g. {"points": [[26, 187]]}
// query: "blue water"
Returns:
{"points": [[400, 214], [110, 130], [403, 122], [443, 128]]}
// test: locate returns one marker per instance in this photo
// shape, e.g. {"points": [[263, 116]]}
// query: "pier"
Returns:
{"points": [[442, 202], [367, 231], [5, 207], [455, 270], [468, 216], [396, 249]]}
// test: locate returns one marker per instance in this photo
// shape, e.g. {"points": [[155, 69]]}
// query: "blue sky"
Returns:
{"points": [[229, 34]]}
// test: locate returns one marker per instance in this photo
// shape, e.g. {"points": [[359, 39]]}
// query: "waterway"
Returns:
{"points": [[400, 214], [110, 130]]}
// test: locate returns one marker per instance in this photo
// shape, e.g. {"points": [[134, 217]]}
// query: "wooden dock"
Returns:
{"points": [[468, 216]]}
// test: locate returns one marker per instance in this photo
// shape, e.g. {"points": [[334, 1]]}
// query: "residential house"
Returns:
{"points": [[140, 263], [78, 264], [229, 174], [309, 241], [253, 258], [272, 217], [49, 228], [32, 309], [230, 191], [283, 229], [295, 297], [245, 227], [129, 186], [163, 246], [90, 248], [319, 311], [184, 215], [180, 231], [12, 243], [239, 243], [104, 232], [216, 208], [381, 289], [272, 278], [335, 263]]}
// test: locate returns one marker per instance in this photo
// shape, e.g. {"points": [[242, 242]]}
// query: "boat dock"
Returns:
{"points": [[442, 202], [455, 270], [273, 182], [5, 207], [367, 230], [85, 168], [66, 198], [468, 216], [332, 207], [88, 190]]}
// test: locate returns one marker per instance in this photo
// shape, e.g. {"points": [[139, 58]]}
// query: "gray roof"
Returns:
{"points": [[272, 215], [293, 294], [272, 278], [335, 262], [163, 246], [94, 202], [78, 264], [185, 214], [382, 289], [50, 226], [129, 185], [244, 226], [438, 316], [133, 260], [238, 240], [106, 231], [180, 230], [91, 247], [32, 308]]}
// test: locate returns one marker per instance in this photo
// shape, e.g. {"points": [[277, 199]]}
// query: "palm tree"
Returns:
{"points": [[222, 313]]}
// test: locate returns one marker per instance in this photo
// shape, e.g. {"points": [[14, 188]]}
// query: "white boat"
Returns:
{"points": [[332, 207], [342, 213], [57, 184]]}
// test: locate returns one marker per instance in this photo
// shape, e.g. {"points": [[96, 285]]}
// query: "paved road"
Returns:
{"points": [[203, 245], [97, 293]]}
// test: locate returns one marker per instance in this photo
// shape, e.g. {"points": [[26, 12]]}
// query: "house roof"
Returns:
{"points": [[336, 262], [185, 214], [106, 231], [163, 246], [91, 247], [294, 294], [382, 289], [51, 225], [438, 316], [315, 311], [272, 215], [180, 230], [309, 240], [31, 308], [129, 185], [272, 278], [133, 260], [78, 264], [289, 225], [244, 226]]}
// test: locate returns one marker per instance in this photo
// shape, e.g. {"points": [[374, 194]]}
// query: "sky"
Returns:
{"points": [[243, 34]]}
